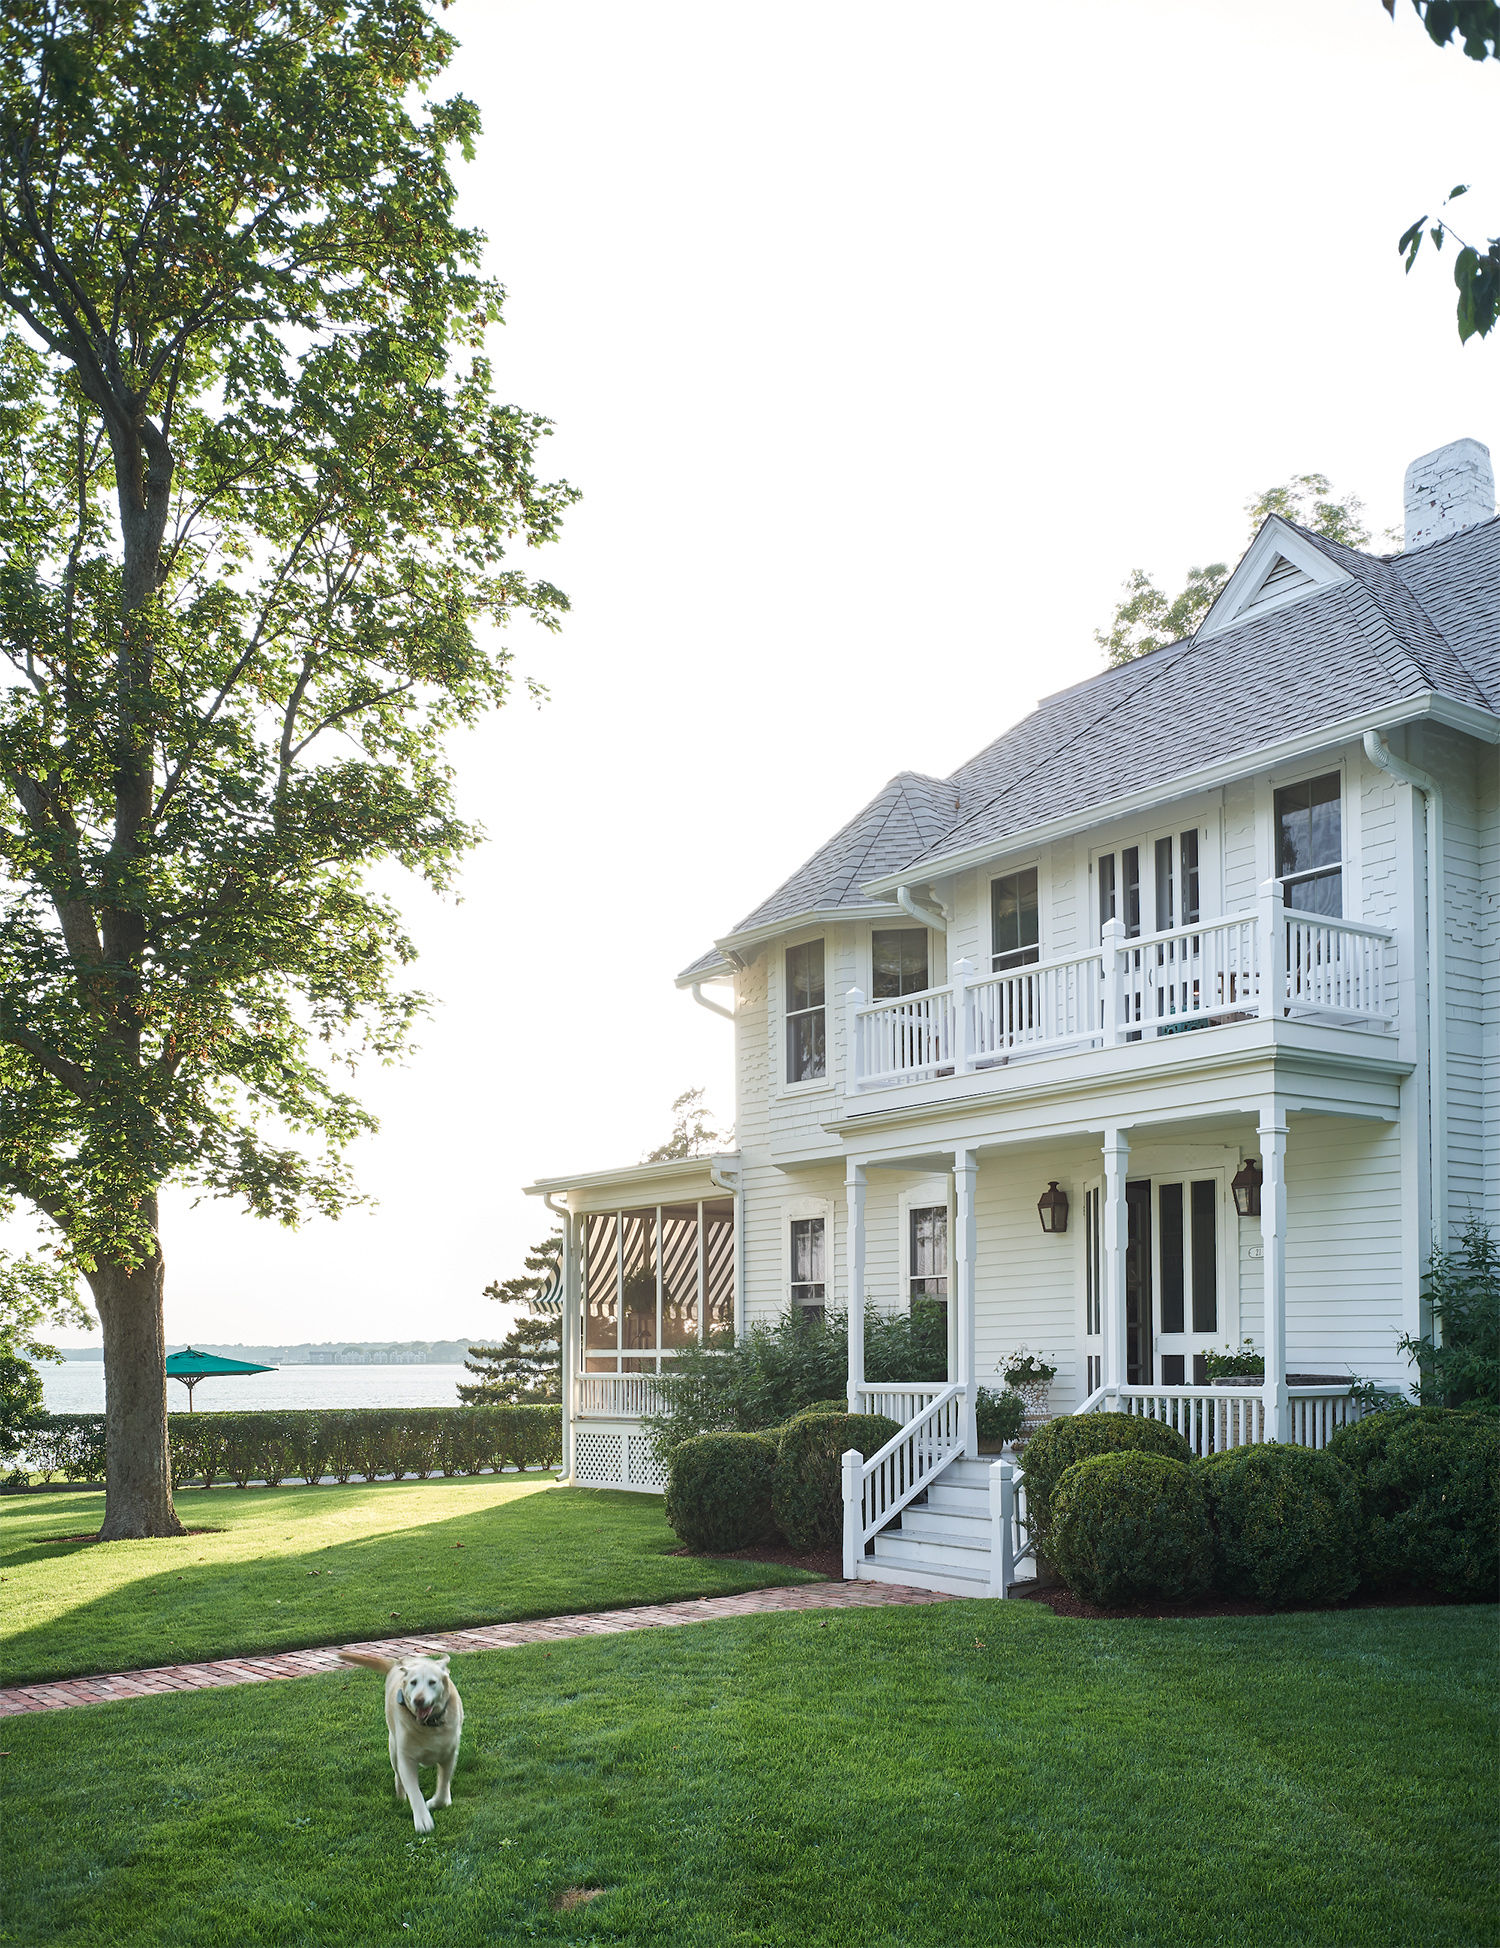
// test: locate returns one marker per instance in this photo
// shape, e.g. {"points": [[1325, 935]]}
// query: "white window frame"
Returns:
{"points": [[867, 953], [795, 1209], [1040, 863], [1268, 833], [918, 1197], [813, 1085]]}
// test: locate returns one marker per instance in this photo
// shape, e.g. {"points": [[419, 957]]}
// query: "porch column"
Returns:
{"points": [[965, 1176], [1114, 1243], [1272, 1134], [570, 1284], [854, 1184]]}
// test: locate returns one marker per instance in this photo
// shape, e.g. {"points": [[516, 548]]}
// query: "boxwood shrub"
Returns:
{"points": [[719, 1490], [1287, 1524], [1429, 1485], [807, 1491], [1059, 1444], [1128, 1526]]}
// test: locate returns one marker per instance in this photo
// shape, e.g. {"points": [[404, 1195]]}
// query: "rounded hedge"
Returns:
{"points": [[1287, 1524], [1428, 1479], [1128, 1526], [719, 1490], [1060, 1444], [807, 1493]]}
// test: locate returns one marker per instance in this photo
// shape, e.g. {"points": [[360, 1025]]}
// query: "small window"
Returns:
{"points": [[929, 1252], [1165, 906], [1189, 860], [1310, 845], [1014, 919], [807, 1266], [806, 1020], [898, 962]]}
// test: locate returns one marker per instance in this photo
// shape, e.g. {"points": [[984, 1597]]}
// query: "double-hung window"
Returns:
{"points": [[1014, 920], [1310, 845], [807, 1265], [806, 1013]]}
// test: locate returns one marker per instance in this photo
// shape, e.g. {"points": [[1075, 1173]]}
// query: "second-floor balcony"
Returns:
{"points": [[1268, 963]]}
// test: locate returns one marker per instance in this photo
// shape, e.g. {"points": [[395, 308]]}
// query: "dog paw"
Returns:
{"points": [[421, 1819]]}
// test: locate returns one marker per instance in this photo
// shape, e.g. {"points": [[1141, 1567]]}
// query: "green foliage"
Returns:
{"points": [[998, 1416], [774, 1371], [1287, 1524], [693, 1133], [1463, 1290], [527, 1364], [35, 1292], [1245, 1363], [20, 1399], [1146, 619], [1024, 1368], [807, 1489], [256, 515], [1061, 1443], [312, 1444], [1130, 1526], [1475, 22], [1428, 1479], [719, 1491]]}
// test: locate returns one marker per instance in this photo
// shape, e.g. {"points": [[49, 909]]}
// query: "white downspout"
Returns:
{"points": [[713, 1007], [569, 1326], [914, 910], [734, 1181], [1379, 753]]}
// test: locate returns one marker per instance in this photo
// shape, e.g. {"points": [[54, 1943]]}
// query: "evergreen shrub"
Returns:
{"points": [[1428, 1480], [1129, 1526], [719, 1490], [807, 1489], [1287, 1524], [1061, 1443]]}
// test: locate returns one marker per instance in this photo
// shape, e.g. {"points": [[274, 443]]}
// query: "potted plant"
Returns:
{"points": [[998, 1418], [1029, 1375], [1245, 1368]]}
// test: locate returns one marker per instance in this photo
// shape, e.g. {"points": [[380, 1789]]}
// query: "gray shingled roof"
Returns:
{"points": [[1426, 621]]}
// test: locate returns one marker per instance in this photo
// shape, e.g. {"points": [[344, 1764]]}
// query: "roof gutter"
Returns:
{"points": [[703, 1001], [1379, 753]]}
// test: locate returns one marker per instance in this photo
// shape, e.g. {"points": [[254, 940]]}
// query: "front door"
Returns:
{"points": [[1138, 1371], [1188, 1289]]}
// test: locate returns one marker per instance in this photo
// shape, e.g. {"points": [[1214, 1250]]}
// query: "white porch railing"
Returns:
{"points": [[1268, 962], [875, 1491], [1211, 1419], [899, 1403], [617, 1396]]}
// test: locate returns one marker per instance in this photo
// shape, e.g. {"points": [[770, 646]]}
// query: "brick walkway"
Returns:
{"points": [[19, 1698]]}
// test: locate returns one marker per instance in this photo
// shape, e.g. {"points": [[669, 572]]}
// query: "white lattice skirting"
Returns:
{"points": [[616, 1457]]}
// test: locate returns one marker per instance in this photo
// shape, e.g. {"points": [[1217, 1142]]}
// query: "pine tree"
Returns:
{"points": [[526, 1367]]}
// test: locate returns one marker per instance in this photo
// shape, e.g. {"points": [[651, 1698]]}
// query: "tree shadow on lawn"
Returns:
{"points": [[528, 1556]]}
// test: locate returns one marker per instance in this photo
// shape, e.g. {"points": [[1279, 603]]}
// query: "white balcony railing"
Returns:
{"points": [[1268, 963], [616, 1396]]}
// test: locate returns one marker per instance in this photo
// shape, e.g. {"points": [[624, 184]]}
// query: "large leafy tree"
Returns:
{"points": [[256, 499], [1147, 618]]}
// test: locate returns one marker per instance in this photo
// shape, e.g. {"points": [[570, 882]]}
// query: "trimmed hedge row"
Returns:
{"points": [[311, 1443], [1408, 1496]]}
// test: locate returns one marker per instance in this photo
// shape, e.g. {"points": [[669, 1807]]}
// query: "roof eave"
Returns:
{"points": [[813, 916], [1482, 724], [634, 1176]]}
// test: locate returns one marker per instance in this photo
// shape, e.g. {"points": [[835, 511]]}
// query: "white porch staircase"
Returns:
{"points": [[941, 1541]]}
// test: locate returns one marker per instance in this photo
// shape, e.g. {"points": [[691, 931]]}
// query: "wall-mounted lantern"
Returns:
{"points": [[1052, 1208], [1246, 1188]]}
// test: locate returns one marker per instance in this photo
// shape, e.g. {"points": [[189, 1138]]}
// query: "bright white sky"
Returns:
{"points": [[883, 341]]}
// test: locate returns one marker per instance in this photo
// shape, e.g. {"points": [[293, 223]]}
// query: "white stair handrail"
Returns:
{"points": [[876, 1491]]}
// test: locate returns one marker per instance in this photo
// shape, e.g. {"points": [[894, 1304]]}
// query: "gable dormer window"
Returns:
{"points": [[1310, 845], [1015, 920], [806, 1013]]}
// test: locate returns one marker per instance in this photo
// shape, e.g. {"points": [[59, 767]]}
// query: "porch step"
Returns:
{"points": [[942, 1541], [874, 1570], [967, 1558], [944, 1524]]}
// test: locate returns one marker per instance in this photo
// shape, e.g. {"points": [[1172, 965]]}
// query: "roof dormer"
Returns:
{"points": [[1280, 567]]}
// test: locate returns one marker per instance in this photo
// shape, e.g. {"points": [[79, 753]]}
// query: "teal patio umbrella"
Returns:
{"points": [[190, 1367]]}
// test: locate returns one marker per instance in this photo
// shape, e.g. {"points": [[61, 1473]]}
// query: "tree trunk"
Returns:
{"points": [[138, 1475]]}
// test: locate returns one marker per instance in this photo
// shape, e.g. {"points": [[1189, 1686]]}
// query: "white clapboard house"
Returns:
{"points": [[1171, 1019]]}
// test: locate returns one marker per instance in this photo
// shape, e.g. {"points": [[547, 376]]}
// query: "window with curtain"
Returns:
{"points": [[806, 1013], [898, 962], [808, 1286]]}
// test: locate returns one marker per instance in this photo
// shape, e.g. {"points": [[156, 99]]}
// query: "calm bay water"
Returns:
{"points": [[77, 1387]]}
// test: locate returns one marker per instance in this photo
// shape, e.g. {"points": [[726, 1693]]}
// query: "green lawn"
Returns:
{"points": [[301, 1566], [964, 1774]]}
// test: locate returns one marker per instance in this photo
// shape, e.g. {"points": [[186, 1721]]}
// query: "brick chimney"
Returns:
{"points": [[1448, 490]]}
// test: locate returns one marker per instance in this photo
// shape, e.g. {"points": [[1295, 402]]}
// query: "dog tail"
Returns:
{"points": [[371, 1659]]}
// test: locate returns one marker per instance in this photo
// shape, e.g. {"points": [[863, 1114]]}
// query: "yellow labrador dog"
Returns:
{"points": [[425, 1717]]}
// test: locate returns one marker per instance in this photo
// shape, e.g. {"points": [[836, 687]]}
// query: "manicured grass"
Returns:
{"points": [[965, 1774], [301, 1566]]}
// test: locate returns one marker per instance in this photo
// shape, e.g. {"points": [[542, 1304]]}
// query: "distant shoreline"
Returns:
{"points": [[328, 1352]]}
